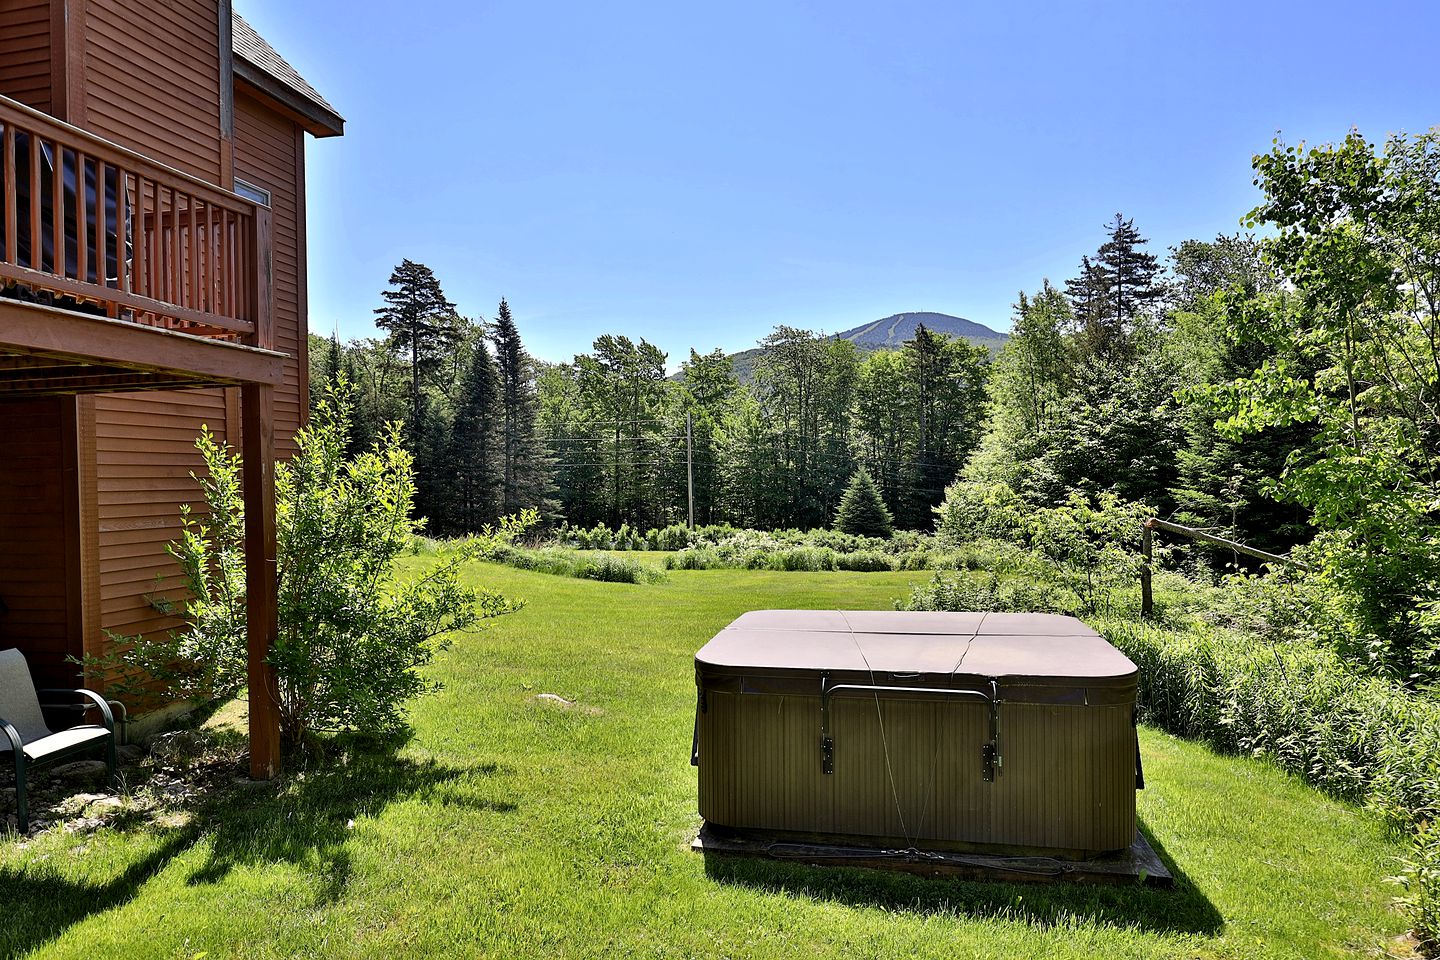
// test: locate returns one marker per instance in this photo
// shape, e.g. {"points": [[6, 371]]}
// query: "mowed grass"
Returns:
{"points": [[516, 827]]}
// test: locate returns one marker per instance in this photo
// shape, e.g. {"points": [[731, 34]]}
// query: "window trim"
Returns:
{"points": [[251, 192]]}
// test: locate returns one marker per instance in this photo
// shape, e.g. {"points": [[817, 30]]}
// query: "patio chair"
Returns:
{"points": [[28, 738]]}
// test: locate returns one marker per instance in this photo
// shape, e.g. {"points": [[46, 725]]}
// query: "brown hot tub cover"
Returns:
{"points": [[945, 729]]}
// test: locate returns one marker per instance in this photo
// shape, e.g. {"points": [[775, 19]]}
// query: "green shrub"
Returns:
{"points": [[1304, 707], [674, 537], [862, 510], [979, 511], [864, 561], [1419, 877], [693, 558], [353, 640], [1093, 549], [613, 569], [983, 592]]}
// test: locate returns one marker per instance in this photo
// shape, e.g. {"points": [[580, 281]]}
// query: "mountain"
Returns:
{"points": [[894, 330], [889, 334]]}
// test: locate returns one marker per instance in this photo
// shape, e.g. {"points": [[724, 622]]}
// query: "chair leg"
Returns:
{"points": [[22, 808], [113, 779]]}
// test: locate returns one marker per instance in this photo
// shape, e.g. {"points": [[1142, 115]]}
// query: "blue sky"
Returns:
{"points": [[695, 173]]}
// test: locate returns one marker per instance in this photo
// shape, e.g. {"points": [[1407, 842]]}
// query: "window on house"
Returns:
{"points": [[251, 192]]}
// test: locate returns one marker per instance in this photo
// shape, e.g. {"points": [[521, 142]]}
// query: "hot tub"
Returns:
{"points": [[1009, 733]]}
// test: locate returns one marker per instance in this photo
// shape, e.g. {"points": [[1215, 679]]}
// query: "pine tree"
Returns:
{"points": [[1130, 274], [429, 441], [420, 321], [474, 455], [332, 360], [526, 470], [1113, 292], [862, 510]]}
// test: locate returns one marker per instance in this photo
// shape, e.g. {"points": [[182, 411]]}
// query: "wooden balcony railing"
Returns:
{"points": [[92, 225]]}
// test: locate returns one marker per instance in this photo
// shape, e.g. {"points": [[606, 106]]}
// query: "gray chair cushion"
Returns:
{"points": [[19, 705], [64, 741]]}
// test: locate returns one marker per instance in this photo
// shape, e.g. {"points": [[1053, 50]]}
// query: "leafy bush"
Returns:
{"points": [[1093, 549], [1420, 879], [983, 593], [613, 569], [352, 638], [1309, 711], [866, 561], [723, 546], [979, 511]]}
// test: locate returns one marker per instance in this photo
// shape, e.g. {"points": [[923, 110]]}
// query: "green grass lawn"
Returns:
{"points": [[510, 827]]}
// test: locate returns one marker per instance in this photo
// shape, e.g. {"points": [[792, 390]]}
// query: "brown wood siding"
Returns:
{"points": [[25, 52], [33, 566], [144, 455], [269, 154], [155, 90], [144, 443]]}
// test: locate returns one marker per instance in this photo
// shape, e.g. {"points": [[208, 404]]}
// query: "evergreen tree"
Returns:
{"points": [[430, 442], [525, 467], [862, 510], [1130, 275], [421, 322], [1113, 293], [475, 441]]}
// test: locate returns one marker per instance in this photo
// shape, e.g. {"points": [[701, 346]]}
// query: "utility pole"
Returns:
{"points": [[690, 464]]}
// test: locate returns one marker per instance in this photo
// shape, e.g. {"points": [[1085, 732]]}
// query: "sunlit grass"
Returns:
{"points": [[516, 827]]}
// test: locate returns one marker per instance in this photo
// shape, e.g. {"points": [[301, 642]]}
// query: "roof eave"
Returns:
{"points": [[317, 119]]}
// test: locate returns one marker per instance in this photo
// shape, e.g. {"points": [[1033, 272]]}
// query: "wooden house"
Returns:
{"points": [[152, 260]]}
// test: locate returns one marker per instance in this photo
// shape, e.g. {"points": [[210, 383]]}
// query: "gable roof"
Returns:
{"points": [[257, 63]]}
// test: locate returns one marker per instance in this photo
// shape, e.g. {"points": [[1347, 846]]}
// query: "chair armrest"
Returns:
{"points": [[95, 698], [16, 744]]}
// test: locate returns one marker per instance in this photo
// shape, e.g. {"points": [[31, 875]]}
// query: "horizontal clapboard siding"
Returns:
{"points": [[34, 583], [156, 91], [25, 52], [144, 454], [267, 154]]}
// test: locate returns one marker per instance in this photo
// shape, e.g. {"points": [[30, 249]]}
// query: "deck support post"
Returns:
{"points": [[261, 581]]}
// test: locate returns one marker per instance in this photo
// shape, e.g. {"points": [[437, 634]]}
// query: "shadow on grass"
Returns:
{"points": [[305, 819], [1181, 909]]}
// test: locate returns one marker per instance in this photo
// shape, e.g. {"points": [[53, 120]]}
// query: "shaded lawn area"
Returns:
{"points": [[510, 827]]}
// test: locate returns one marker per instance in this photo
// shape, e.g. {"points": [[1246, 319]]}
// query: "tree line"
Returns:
{"points": [[1104, 385], [464, 388], [610, 437], [1281, 391]]}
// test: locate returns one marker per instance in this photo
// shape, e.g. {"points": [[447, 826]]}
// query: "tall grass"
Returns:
{"points": [[564, 563]]}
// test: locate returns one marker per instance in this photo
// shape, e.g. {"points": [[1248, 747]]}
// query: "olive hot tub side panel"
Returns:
{"points": [[1066, 782]]}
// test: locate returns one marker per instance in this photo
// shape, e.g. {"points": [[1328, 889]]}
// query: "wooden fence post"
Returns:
{"points": [[1147, 547]]}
